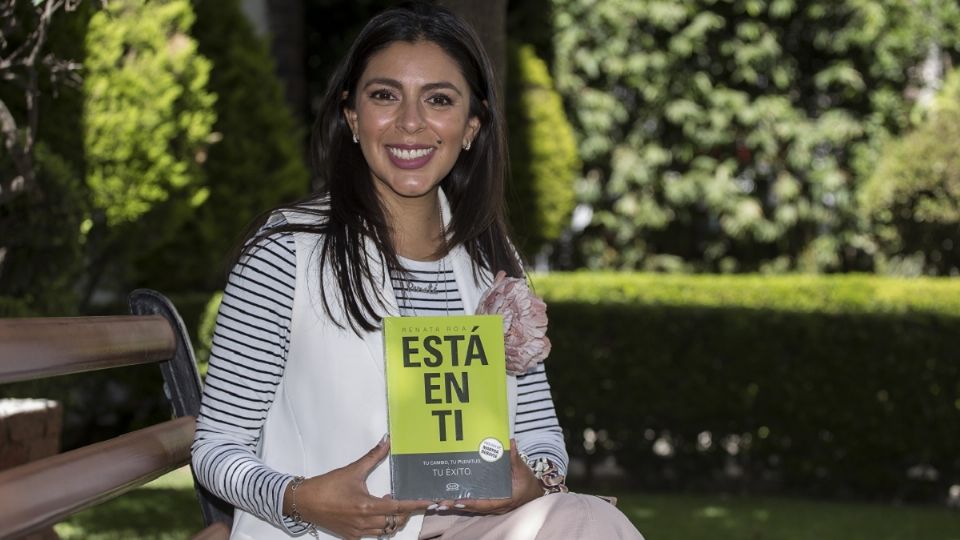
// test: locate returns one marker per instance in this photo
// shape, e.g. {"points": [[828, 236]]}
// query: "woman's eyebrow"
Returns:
{"points": [[385, 81], [441, 86]]}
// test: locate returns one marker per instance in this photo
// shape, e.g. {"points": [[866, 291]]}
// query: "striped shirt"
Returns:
{"points": [[250, 345]]}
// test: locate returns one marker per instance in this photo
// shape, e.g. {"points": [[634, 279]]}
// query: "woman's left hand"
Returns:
{"points": [[526, 488]]}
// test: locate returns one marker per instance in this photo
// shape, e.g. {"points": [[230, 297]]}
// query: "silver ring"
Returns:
{"points": [[391, 524]]}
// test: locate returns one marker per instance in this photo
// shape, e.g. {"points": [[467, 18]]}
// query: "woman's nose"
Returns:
{"points": [[411, 116]]}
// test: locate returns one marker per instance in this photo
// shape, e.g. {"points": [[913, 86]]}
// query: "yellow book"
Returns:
{"points": [[447, 403]]}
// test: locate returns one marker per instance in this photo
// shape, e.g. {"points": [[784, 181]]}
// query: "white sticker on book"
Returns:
{"points": [[491, 450]]}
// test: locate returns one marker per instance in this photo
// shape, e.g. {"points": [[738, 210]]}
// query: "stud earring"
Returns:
{"points": [[355, 138], [467, 145]]}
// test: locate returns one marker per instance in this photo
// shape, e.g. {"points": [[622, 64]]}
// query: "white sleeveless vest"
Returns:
{"points": [[330, 407]]}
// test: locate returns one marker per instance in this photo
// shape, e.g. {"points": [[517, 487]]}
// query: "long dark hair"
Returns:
{"points": [[350, 212]]}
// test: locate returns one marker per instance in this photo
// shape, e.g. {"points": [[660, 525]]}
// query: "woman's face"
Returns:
{"points": [[412, 117]]}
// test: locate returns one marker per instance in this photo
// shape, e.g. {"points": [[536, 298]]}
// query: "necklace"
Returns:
{"points": [[443, 261], [430, 288], [415, 294]]}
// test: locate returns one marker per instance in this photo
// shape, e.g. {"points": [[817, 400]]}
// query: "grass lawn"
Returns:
{"points": [[167, 509], [688, 517]]}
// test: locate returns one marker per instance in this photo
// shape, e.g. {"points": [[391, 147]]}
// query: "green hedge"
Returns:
{"points": [[809, 293], [845, 385]]}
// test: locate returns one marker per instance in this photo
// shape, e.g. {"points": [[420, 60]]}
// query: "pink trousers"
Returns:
{"points": [[556, 516]]}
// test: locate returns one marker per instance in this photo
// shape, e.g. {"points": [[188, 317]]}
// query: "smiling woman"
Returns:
{"points": [[412, 118], [409, 220]]}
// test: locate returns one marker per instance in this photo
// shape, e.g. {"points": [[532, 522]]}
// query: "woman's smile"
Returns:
{"points": [[410, 156]]}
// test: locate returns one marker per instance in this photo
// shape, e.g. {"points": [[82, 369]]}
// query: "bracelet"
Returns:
{"points": [[294, 511], [547, 473]]}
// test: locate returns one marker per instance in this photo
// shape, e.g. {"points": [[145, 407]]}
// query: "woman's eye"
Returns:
{"points": [[440, 100], [381, 95]]}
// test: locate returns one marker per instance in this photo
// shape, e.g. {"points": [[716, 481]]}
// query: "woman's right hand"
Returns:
{"points": [[339, 502]]}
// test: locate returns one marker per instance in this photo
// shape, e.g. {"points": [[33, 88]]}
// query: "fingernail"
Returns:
{"points": [[442, 508], [383, 439], [458, 505], [433, 506]]}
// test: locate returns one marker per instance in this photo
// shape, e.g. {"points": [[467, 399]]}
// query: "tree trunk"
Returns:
{"points": [[489, 19]]}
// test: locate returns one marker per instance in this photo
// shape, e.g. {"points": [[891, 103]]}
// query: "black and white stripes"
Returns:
{"points": [[249, 348], [247, 359], [537, 428]]}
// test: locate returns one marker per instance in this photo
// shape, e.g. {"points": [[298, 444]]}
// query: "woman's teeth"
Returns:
{"points": [[410, 154]]}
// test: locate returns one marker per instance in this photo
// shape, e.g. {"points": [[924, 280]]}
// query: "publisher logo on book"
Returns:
{"points": [[491, 450]]}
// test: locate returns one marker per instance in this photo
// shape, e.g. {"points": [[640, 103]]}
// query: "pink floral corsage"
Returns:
{"points": [[524, 321]]}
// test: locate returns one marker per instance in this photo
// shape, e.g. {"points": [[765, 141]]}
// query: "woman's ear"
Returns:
{"points": [[351, 117], [348, 113], [473, 127]]}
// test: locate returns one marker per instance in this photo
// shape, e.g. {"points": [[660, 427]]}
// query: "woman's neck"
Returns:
{"points": [[415, 226]]}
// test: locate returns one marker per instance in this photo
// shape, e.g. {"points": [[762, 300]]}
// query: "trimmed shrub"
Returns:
{"points": [[806, 293], [543, 153], [844, 385]]}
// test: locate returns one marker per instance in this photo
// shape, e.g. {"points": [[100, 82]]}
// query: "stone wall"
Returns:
{"points": [[29, 430]]}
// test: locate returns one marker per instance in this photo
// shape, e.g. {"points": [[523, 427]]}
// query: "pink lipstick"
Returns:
{"points": [[410, 156]]}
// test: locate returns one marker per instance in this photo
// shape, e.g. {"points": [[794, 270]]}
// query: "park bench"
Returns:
{"points": [[38, 494]]}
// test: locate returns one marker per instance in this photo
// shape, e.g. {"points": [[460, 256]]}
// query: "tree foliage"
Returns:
{"points": [[31, 65], [148, 113], [543, 153], [40, 241], [148, 117], [140, 186], [41, 250], [912, 200], [731, 134], [255, 163]]}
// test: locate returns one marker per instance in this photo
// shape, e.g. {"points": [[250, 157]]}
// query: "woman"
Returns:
{"points": [[410, 150]]}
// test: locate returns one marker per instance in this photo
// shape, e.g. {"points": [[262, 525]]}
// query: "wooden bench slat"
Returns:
{"points": [[217, 531], [44, 492], [44, 347]]}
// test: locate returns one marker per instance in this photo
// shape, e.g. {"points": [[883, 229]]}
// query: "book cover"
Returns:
{"points": [[447, 406]]}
